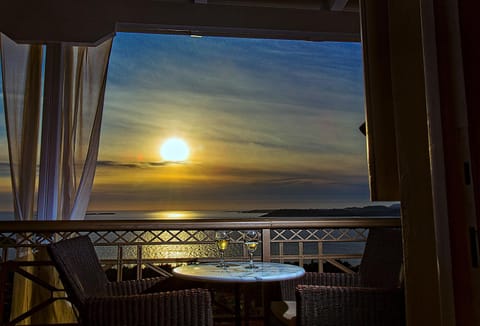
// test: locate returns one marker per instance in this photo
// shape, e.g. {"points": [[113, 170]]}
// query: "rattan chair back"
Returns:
{"points": [[382, 259], [79, 268]]}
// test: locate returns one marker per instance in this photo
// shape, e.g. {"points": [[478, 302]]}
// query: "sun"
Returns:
{"points": [[174, 150]]}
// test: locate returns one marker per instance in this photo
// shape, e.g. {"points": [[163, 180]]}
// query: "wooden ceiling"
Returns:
{"points": [[90, 21]]}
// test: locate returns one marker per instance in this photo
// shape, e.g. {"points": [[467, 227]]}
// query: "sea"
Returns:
{"points": [[154, 215], [171, 215], [183, 215]]}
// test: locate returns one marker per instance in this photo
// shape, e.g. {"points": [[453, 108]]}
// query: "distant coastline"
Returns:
{"points": [[367, 211]]}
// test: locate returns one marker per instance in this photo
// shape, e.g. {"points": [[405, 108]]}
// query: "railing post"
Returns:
{"points": [[139, 262], [301, 254], [266, 245], [320, 254], [4, 270], [120, 263]]}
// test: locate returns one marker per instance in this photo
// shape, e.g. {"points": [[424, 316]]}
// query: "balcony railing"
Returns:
{"points": [[143, 245]]}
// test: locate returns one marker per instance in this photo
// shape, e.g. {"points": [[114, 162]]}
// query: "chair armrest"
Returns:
{"points": [[310, 278], [349, 306], [184, 307], [133, 286], [331, 279]]}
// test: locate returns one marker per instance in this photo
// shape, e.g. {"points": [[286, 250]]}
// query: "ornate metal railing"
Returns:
{"points": [[141, 245]]}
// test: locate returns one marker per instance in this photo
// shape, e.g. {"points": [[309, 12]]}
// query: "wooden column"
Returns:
{"points": [[453, 104], [438, 166], [381, 145], [407, 68], [433, 69], [397, 35]]}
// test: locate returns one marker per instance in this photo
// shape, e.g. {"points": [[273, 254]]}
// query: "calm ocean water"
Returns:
{"points": [[6, 216], [169, 215], [154, 215]]}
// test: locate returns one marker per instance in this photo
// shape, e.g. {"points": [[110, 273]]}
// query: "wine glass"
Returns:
{"points": [[251, 238], [221, 239]]}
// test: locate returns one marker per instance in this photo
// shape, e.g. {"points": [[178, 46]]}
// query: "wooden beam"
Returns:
{"points": [[91, 21], [292, 4]]}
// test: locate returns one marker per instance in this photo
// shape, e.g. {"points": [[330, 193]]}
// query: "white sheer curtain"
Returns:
{"points": [[69, 175], [22, 84], [83, 103], [74, 87], [81, 81]]}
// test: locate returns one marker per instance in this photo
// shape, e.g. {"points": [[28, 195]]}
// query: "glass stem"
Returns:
{"points": [[251, 259], [222, 258]]}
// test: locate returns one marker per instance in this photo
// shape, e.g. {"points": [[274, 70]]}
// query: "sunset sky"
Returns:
{"points": [[268, 123]]}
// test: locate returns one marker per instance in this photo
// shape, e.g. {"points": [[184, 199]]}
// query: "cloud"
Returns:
{"points": [[293, 72], [190, 175], [274, 193], [139, 165]]}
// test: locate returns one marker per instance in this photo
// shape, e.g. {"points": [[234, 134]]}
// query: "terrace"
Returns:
{"points": [[133, 249]]}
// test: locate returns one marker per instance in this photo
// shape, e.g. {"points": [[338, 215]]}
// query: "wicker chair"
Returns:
{"points": [[128, 303], [372, 297]]}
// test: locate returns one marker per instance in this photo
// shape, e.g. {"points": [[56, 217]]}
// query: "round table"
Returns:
{"points": [[237, 273]]}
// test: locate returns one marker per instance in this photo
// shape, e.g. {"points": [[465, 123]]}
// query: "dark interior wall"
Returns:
{"points": [[470, 29], [90, 22]]}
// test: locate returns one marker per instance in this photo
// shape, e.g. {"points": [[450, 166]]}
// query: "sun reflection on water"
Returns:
{"points": [[172, 215]]}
